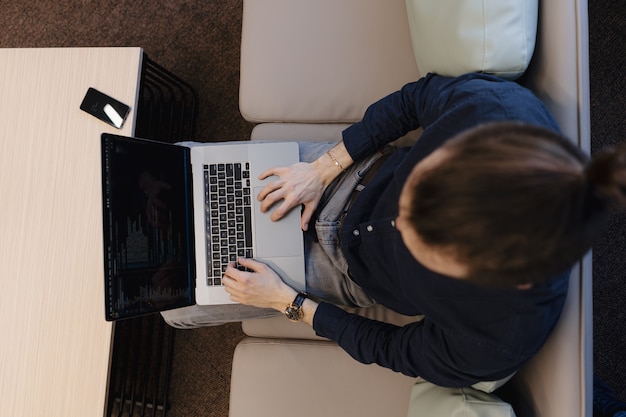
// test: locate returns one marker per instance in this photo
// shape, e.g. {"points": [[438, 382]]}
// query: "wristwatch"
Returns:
{"points": [[294, 310]]}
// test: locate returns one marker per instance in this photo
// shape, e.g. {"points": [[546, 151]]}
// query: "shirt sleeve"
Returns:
{"points": [[430, 99], [384, 121], [397, 114], [417, 349]]}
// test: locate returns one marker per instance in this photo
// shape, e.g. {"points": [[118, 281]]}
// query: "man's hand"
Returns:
{"points": [[261, 288], [302, 183], [297, 184]]}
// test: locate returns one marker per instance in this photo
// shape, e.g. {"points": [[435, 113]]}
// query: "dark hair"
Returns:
{"points": [[515, 203]]}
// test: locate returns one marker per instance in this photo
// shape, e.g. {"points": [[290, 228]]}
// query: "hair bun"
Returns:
{"points": [[606, 174]]}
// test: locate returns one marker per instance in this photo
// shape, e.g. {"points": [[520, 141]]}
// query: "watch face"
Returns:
{"points": [[293, 313]]}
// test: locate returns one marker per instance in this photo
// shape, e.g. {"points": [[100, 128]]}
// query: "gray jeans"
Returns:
{"points": [[326, 268]]}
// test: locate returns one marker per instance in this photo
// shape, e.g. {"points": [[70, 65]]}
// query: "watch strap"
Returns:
{"points": [[294, 310], [299, 300]]}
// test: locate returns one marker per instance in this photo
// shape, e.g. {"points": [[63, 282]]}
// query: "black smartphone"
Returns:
{"points": [[105, 108]]}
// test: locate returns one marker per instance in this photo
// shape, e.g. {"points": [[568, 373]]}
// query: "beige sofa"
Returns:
{"points": [[309, 69]]}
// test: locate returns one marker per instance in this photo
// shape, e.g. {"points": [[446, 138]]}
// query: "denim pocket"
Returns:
{"points": [[328, 238]]}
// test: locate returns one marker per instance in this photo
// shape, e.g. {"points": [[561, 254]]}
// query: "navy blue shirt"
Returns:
{"points": [[470, 333]]}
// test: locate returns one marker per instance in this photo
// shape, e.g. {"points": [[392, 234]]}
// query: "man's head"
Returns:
{"points": [[503, 204]]}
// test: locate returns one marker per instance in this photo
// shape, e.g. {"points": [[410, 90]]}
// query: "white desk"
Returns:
{"points": [[55, 348]]}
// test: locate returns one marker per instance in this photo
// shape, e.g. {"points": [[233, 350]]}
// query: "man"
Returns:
{"points": [[408, 230]]}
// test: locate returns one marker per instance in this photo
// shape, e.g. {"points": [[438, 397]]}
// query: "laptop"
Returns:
{"points": [[175, 215]]}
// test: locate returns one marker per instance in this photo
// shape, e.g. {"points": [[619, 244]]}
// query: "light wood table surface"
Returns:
{"points": [[55, 348]]}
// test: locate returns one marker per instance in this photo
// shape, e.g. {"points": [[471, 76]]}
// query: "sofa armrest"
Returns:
{"points": [[281, 327]]}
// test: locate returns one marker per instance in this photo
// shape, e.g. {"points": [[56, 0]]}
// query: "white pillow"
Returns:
{"points": [[454, 37], [433, 401]]}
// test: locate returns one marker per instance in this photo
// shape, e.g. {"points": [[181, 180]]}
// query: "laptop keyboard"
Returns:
{"points": [[227, 200]]}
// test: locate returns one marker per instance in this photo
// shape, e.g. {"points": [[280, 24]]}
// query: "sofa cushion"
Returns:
{"points": [[318, 132], [454, 37], [306, 378], [321, 61]]}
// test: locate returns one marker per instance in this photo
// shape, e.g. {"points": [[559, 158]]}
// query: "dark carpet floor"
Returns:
{"points": [[198, 40], [607, 63]]}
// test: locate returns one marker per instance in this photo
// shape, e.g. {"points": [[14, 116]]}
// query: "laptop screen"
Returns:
{"points": [[147, 218]]}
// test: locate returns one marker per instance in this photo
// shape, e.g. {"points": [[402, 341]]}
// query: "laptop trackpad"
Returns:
{"points": [[276, 239]]}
